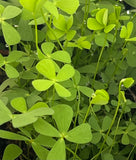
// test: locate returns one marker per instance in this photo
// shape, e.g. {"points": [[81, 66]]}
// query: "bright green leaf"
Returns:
{"points": [[11, 152], [66, 72], [123, 33], [63, 115], [102, 16], [68, 6], [45, 128], [60, 22], [69, 22], [47, 47], [100, 97], [92, 24], [80, 135], [11, 12], [46, 67], [19, 104], [38, 105], [127, 82], [108, 28], [51, 8], [58, 151], [131, 39], [11, 36], [11, 71], [61, 56], [62, 92], [42, 84]]}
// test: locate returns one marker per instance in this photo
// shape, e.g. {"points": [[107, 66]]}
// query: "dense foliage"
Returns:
{"points": [[68, 79]]}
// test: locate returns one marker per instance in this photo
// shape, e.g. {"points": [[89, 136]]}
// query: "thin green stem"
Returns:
{"points": [[113, 120], [73, 153], [131, 152], [98, 62], [48, 25], [116, 130], [78, 107]]}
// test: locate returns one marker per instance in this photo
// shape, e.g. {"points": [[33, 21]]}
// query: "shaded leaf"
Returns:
{"points": [[80, 134], [63, 115], [58, 151], [11, 71], [11, 12], [45, 128], [11, 152]]}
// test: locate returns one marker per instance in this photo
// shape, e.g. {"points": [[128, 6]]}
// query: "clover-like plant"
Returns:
{"points": [[47, 68], [63, 115], [8, 31]]}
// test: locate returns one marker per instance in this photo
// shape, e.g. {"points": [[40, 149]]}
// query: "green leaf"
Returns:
{"points": [[2, 60], [127, 82], [129, 29], [68, 6], [11, 152], [12, 136], [1, 9], [94, 123], [47, 47], [66, 72], [69, 22], [42, 84], [80, 135], [58, 151], [108, 28], [11, 71], [132, 3], [125, 139], [123, 33], [61, 56], [96, 137], [100, 97], [70, 34], [45, 128], [102, 16], [63, 115], [19, 104], [62, 92], [92, 24], [5, 113], [38, 105], [60, 22], [107, 156], [11, 12], [29, 5], [86, 91], [46, 67], [106, 123], [30, 117], [51, 8], [131, 39], [45, 141], [40, 151], [11, 36], [14, 56]]}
